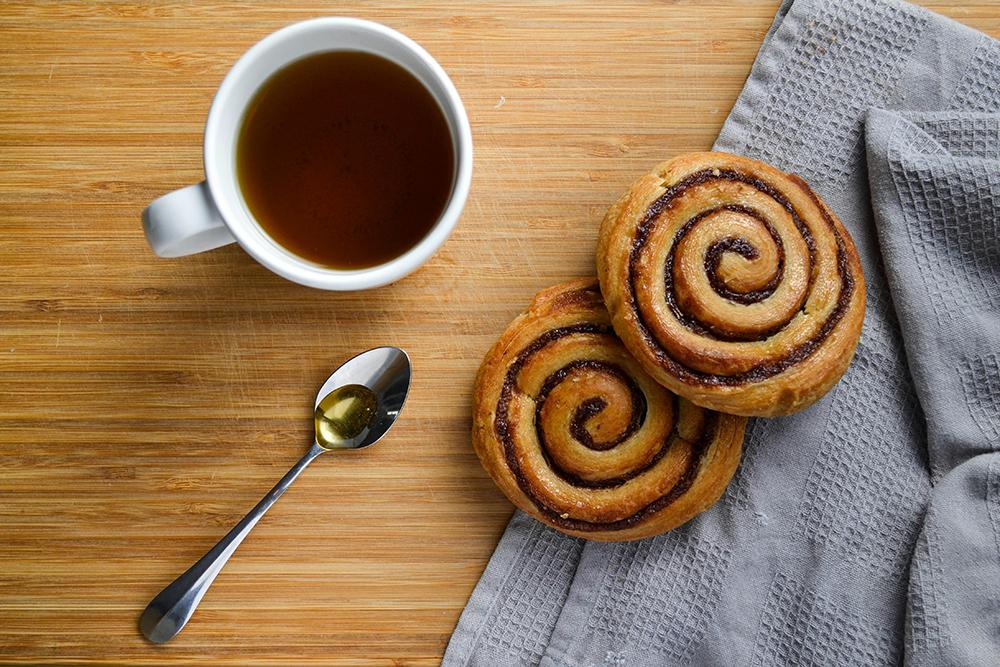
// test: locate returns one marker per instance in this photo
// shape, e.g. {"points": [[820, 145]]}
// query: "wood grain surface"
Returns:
{"points": [[146, 404]]}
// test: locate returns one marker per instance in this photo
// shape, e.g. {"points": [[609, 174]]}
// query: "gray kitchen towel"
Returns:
{"points": [[866, 529], [935, 181]]}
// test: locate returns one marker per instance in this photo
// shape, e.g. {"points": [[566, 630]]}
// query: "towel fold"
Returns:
{"points": [[866, 529]]}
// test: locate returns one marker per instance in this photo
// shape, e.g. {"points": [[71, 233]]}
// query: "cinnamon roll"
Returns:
{"points": [[732, 283], [575, 433]]}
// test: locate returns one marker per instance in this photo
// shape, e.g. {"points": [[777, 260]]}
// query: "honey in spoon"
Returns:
{"points": [[344, 416]]}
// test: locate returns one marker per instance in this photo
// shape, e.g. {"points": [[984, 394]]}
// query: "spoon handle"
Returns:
{"points": [[168, 613]]}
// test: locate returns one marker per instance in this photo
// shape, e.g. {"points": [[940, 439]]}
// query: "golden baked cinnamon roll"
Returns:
{"points": [[732, 283], [575, 433]]}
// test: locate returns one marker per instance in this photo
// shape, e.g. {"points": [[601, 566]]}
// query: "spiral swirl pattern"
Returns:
{"points": [[575, 433], [732, 283]]}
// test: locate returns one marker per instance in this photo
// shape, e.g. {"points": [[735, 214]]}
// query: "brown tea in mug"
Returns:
{"points": [[345, 159]]}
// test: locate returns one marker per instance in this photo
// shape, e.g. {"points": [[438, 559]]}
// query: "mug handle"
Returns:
{"points": [[185, 222]]}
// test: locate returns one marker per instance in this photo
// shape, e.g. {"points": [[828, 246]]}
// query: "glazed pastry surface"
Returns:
{"points": [[574, 432], [732, 283]]}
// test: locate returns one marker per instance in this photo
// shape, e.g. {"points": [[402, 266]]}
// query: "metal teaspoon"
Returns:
{"points": [[354, 418]]}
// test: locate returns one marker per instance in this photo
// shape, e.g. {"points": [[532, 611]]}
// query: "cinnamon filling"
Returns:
{"points": [[764, 370], [582, 413]]}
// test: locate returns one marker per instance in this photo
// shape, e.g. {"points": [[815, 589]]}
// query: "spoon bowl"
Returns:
{"points": [[385, 371]]}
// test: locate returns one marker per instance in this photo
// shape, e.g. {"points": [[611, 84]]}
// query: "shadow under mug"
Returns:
{"points": [[213, 213]]}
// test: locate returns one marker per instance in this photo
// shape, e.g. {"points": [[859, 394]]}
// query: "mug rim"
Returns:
{"points": [[220, 164]]}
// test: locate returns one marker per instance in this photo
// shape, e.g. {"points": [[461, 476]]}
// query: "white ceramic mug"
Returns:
{"points": [[213, 213]]}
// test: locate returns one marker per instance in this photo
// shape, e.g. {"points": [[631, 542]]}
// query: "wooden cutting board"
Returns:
{"points": [[146, 404]]}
